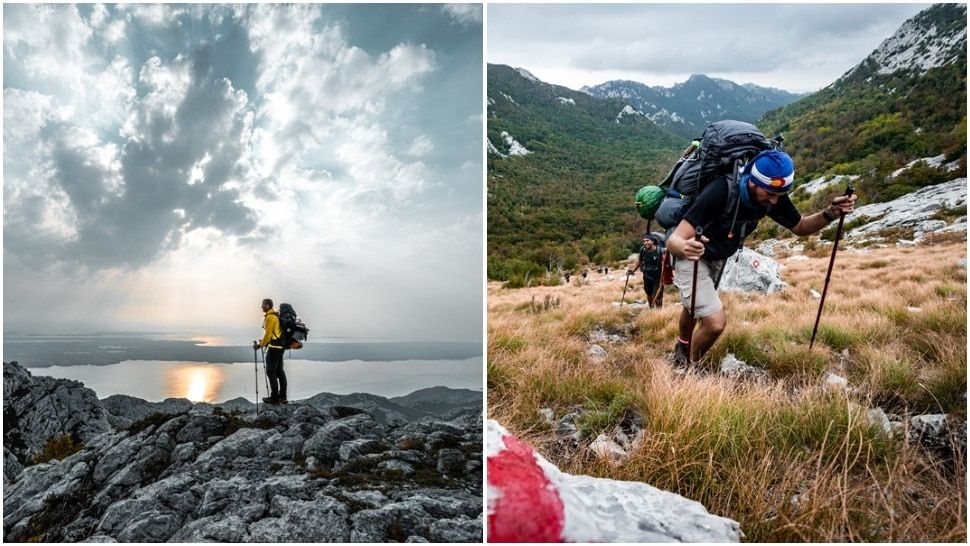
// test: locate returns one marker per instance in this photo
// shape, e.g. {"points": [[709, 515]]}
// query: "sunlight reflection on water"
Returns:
{"points": [[156, 380], [211, 341], [198, 383]]}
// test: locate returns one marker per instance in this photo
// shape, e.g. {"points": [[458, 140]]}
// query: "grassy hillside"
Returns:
{"points": [[787, 457]]}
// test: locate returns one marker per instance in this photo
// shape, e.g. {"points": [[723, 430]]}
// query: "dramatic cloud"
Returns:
{"points": [[164, 156], [798, 47]]}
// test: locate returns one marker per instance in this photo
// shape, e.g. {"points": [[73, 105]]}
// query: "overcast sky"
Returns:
{"points": [[796, 47], [168, 166]]}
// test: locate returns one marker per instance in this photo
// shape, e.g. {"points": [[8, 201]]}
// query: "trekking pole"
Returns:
{"points": [[693, 295], [256, 376], [828, 275], [624, 287]]}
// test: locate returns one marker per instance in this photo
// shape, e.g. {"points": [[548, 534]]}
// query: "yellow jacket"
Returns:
{"points": [[271, 327]]}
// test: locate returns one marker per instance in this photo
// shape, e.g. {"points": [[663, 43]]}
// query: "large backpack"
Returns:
{"points": [[723, 149], [294, 332]]}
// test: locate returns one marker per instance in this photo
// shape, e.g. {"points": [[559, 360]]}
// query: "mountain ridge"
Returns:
{"points": [[687, 107]]}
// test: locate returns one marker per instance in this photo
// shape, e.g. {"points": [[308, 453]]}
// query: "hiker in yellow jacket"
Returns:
{"points": [[274, 354]]}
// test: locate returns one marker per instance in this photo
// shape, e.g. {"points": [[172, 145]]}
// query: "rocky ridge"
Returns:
{"points": [[930, 39], [687, 107], [915, 211], [176, 471]]}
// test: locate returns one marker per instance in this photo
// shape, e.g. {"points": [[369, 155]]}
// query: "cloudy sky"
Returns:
{"points": [[796, 47], [168, 166]]}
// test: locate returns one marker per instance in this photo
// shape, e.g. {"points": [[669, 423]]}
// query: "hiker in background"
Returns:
{"points": [[584, 274], [567, 277], [272, 335], [606, 270], [648, 262], [763, 186]]}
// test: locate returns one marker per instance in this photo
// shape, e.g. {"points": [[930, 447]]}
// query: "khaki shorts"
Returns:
{"points": [[708, 302]]}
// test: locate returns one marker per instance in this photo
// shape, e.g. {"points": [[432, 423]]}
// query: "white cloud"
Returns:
{"points": [[25, 113], [465, 14], [327, 99], [154, 15], [421, 146], [53, 46]]}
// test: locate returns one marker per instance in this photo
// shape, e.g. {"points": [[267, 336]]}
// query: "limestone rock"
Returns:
{"points": [[297, 473], [36, 409], [730, 365], [878, 417], [450, 461], [605, 448], [320, 520], [456, 530], [597, 353], [361, 446], [750, 271], [835, 381], [932, 431], [325, 443], [913, 210]]}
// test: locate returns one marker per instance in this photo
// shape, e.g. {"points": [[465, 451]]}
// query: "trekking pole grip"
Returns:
{"points": [[698, 231], [849, 190]]}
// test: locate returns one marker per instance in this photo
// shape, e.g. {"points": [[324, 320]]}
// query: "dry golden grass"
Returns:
{"points": [[787, 458]]}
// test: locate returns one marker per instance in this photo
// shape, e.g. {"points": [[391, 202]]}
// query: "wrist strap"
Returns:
{"points": [[828, 217]]}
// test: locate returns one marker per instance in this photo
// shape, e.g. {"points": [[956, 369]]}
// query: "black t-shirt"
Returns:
{"points": [[650, 262], [710, 206]]}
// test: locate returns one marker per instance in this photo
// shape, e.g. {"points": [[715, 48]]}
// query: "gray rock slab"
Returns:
{"points": [[456, 530], [749, 271], [321, 520]]}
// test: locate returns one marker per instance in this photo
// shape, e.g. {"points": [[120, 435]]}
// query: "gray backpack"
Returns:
{"points": [[723, 150]]}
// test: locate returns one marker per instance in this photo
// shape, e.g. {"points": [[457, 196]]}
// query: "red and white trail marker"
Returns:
{"points": [[530, 500]]}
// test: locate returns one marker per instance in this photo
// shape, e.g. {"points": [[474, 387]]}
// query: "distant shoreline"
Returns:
{"points": [[108, 349]]}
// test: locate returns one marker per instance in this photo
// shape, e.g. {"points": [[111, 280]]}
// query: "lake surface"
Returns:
{"points": [[155, 380]]}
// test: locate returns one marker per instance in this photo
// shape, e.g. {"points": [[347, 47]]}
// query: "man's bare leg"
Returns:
{"points": [[706, 334]]}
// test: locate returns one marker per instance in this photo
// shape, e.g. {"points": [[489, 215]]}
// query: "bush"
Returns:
{"points": [[507, 269], [58, 447]]}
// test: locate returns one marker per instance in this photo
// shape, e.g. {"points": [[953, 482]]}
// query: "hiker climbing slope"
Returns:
{"points": [[272, 340], [762, 190], [648, 262]]}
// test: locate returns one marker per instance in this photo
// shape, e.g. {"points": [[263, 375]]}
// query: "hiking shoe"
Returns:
{"points": [[271, 400], [681, 355], [284, 401]]}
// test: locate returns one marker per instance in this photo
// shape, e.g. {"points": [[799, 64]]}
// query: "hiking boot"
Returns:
{"points": [[271, 400], [681, 355], [284, 401]]}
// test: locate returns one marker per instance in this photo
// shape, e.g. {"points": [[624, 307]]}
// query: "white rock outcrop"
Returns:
{"points": [[914, 210], [750, 271]]}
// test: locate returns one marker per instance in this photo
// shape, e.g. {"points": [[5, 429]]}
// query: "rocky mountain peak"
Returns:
{"points": [[934, 37]]}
